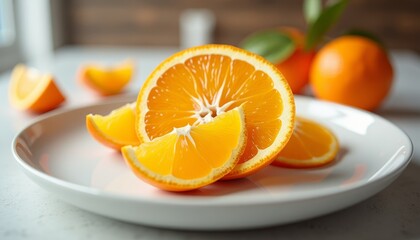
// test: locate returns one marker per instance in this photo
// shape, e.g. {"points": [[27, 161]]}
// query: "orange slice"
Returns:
{"points": [[200, 83], [115, 129], [191, 156], [311, 145], [34, 91], [107, 80]]}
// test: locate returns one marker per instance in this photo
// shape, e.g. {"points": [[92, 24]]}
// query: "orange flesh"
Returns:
{"points": [[117, 126], [205, 84], [306, 133], [28, 84], [310, 145], [33, 91], [114, 130], [192, 156], [109, 79]]}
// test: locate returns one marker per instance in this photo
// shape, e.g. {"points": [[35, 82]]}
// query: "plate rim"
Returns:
{"points": [[201, 200]]}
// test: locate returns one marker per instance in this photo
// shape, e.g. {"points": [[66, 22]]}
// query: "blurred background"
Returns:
{"points": [[34, 28]]}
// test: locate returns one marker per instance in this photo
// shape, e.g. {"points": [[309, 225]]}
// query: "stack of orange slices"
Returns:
{"points": [[208, 113]]}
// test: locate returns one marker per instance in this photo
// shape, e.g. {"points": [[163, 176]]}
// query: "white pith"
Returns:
{"points": [[207, 110]]}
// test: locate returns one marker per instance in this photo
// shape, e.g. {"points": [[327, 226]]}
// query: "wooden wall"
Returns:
{"points": [[156, 22]]}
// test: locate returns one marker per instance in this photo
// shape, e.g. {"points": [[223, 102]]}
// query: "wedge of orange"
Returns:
{"points": [[115, 129], [196, 85], [33, 90], [311, 145], [190, 157], [107, 80]]}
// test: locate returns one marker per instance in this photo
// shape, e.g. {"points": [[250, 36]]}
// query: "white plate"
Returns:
{"points": [[58, 153]]}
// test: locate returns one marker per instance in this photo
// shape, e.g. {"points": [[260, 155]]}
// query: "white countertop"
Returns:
{"points": [[29, 212]]}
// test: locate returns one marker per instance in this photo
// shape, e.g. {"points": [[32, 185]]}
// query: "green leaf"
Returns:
{"points": [[273, 45], [311, 10], [366, 34], [324, 22]]}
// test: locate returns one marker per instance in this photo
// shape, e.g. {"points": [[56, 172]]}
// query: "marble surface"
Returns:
{"points": [[29, 212]]}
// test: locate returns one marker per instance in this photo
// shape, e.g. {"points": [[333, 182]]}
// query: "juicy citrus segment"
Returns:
{"points": [[311, 145], [191, 156], [107, 80], [115, 129], [209, 80], [34, 91]]}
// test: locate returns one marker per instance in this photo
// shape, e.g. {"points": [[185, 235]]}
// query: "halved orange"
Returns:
{"points": [[115, 129], [190, 157], [197, 84], [107, 80], [34, 91], [311, 145]]}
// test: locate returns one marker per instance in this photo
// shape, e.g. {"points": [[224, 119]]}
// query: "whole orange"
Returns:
{"points": [[296, 67], [352, 70]]}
